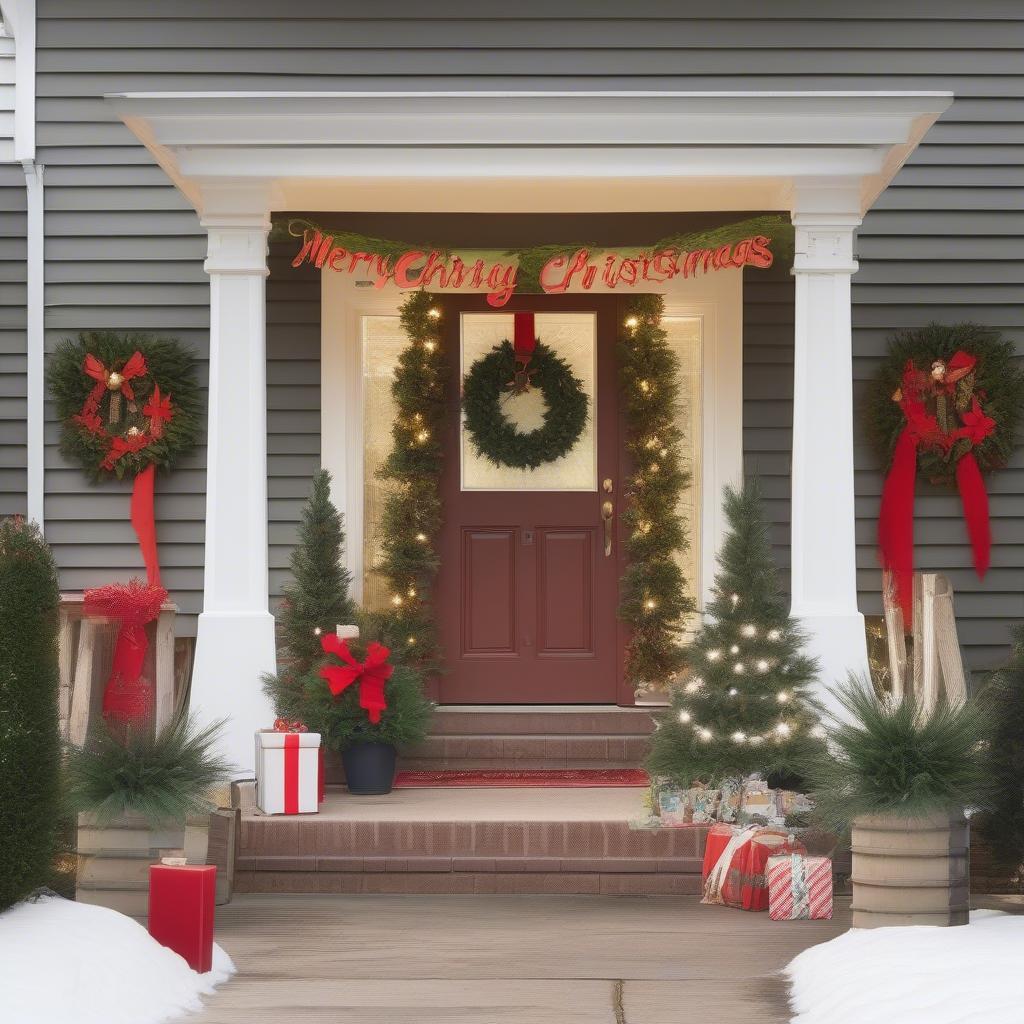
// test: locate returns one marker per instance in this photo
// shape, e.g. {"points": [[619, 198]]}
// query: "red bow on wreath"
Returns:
{"points": [[371, 674], [115, 381], [921, 391]]}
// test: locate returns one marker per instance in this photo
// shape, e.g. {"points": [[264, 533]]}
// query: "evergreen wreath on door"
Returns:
{"points": [[515, 368]]}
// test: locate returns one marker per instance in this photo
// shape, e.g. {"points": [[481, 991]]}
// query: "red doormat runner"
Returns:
{"points": [[533, 778]]}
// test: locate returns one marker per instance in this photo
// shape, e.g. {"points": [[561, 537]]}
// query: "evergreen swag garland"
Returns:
{"points": [[495, 437], [411, 517], [114, 418], [654, 598]]}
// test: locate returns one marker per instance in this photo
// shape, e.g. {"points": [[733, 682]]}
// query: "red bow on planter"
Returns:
{"points": [[371, 674], [920, 391]]}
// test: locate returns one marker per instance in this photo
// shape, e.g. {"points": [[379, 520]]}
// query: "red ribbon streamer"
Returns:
{"points": [[371, 674], [896, 520], [975, 502], [524, 337], [144, 521], [291, 773]]}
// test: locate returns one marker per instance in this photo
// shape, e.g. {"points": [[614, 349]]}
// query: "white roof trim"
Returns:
{"points": [[491, 151]]}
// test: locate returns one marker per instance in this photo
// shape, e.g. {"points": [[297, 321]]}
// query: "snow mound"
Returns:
{"points": [[914, 975], [63, 962]]}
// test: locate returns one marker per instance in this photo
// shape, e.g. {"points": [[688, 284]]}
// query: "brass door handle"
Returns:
{"points": [[607, 514]]}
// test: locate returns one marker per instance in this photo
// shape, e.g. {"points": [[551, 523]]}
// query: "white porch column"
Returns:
{"points": [[824, 565], [235, 642]]}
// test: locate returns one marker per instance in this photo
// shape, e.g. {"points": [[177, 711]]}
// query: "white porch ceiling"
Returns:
{"points": [[518, 151]]}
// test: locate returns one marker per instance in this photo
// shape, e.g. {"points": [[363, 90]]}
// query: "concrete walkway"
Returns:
{"points": [[504, 960]]}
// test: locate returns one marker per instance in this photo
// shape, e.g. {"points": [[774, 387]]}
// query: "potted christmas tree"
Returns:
{"points": [[364, 704], [743, 707], [902, 780]]}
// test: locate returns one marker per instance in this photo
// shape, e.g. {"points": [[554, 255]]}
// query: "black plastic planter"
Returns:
{"points": [[369, 768]]}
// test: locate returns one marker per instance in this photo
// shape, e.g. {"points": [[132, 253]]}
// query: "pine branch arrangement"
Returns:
{"points": [[29, 741], [316, 599], [163, 778], [654, 598], [745, 707], [888, 757], [411, 517]]}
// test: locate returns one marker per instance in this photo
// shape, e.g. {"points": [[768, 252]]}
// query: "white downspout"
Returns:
{"points": [[20, 18]]}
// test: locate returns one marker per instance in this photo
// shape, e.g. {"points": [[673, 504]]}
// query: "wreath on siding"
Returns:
{"points": [[506, 371], [128, 403], [947, 400]]}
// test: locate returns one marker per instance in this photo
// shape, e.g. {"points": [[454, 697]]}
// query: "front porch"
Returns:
{"points": [[482, 959]]}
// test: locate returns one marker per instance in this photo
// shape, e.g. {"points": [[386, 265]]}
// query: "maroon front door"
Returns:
{"points": [[526, 596]]}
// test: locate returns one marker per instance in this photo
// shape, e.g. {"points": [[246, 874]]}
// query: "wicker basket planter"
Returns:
{"points": [[910, 871]]}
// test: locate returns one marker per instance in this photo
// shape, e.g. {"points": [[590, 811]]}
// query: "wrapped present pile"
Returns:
{"points": [[747, 801]]}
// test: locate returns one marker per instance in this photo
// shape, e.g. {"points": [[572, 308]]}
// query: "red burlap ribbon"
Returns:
{"points": [[524, 339], [128, 697], [370, 674], [134, 367], [896, 514]]}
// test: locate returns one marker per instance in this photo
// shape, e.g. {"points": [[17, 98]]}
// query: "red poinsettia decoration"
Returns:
{"points": [[371, 674]]}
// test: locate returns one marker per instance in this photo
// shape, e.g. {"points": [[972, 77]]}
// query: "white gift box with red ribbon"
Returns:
{"points": [[287, 772]]}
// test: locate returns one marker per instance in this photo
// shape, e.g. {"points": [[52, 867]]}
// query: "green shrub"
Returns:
{"points": [[29, 739], [163, 778], [888, 757]]}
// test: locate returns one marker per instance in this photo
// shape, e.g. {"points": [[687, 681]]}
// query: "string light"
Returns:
{"points": [[734, 649], [749, 630], [818, 732], [684, 717], [651, 443], [735, 598], [434, 313], [739, 737], [693, 685], [412, 591], [704, 734], [396, 599], [654, 467], [645, 386], [739, 668], [782, 697], [632, 322], [774, 634], [733, 691], [763, 666], [317, 631], [421, 537], [411, 641], [782, 729], [756, 741], [714, 654], [430, 345], [422, 436]]}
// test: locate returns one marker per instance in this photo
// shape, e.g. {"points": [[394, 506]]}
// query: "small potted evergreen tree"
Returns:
{"points": [[902, 781], [316, 601]]}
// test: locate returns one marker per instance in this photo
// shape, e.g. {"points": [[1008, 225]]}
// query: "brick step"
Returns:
{"points": [[543, 721], [522, 751], [321, 855]]}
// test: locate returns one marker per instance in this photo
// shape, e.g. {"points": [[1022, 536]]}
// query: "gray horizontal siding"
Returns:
{"points": [[944, 243], [12, 342]]}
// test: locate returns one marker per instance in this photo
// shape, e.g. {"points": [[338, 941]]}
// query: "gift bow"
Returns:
{"points": [[371, 674], [159, 411], [122, 445], [135, 366], [283, 725]]}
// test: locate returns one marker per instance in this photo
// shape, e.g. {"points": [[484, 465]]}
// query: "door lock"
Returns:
{"points": [[607, 514]]}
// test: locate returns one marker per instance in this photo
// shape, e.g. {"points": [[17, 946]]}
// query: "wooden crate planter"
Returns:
{"points": [[910, 871]]}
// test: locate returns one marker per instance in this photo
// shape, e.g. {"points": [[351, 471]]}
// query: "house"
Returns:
{"points": [[174, 136]]}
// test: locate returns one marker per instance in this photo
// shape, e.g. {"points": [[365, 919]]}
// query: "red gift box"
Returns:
{"points": [[181, 904], [735, 862]]}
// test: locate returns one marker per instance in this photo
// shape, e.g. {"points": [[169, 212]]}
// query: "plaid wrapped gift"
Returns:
{"points": [[734, 864], [799, 888]]}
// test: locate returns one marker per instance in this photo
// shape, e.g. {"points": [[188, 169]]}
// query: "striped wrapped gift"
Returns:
{"points": [[799, 887]]}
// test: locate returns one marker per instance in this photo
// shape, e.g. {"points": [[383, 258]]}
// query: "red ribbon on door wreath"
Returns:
{"points": [[371, 674], [524, 338], [953, 433]]}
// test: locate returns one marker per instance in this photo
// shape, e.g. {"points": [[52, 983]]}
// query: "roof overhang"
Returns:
{"points": [[539, 151]]}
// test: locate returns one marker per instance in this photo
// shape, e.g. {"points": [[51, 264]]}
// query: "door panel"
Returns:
{"points": [[489, 592], [526, 595]]}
